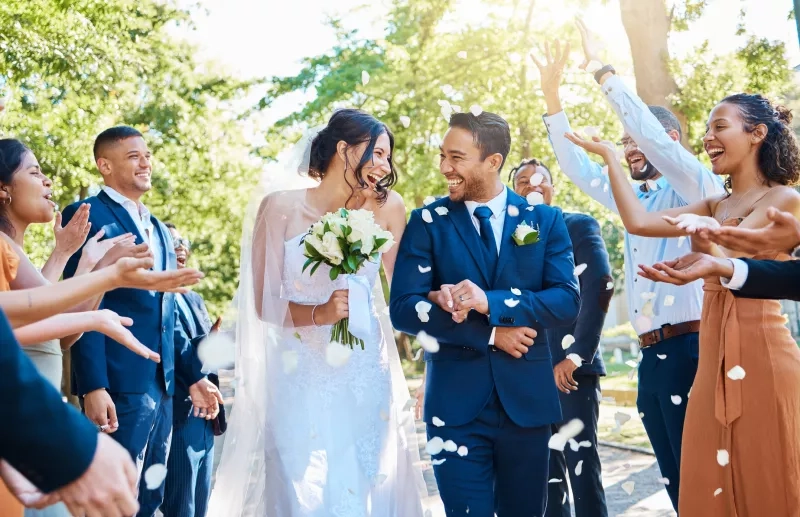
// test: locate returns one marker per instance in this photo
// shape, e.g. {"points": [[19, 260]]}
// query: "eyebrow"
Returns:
{"points": [[454, 151]]}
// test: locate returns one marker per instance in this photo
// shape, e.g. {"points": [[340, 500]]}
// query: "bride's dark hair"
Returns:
{"points": [[354, 127]]}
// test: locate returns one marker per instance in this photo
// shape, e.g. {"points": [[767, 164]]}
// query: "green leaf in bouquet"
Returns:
{"points": [[355, 247], [327, 228], [342, 244], [346, 267], [311, 252], [307, 263], [334, 274], [353, 263], [314, 269], [374, 257], [532, 238], [343, 213], [347, 230], [380, 242]]}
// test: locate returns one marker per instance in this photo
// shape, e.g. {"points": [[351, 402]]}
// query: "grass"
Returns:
{"points": [[617, 372]]}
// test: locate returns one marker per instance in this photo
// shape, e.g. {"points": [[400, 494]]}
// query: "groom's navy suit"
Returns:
{"points": [[140, 389], [498, 407]]}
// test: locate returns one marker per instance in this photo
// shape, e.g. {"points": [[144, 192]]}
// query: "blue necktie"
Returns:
{"points": [[484, 214]]}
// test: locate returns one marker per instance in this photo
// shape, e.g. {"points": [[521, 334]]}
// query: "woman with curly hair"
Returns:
{"points": [[740, 453]]}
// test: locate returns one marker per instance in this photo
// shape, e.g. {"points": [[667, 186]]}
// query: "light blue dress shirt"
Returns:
{"points": [[684, 180], [141, 218]]}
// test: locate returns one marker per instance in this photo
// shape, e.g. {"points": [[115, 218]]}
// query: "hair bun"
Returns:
{"points": [[784, 114]]}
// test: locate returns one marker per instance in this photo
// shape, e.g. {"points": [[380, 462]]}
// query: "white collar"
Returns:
{"points": [[496, 205], [144, 213]]}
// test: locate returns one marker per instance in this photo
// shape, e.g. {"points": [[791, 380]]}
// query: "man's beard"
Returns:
{"points": [[647, 172]]}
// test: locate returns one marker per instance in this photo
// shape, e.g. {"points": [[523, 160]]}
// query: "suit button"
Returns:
{"points": [[164, 329], [494, 348]]}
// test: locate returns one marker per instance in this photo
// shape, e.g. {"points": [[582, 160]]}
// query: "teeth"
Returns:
{"points": [[454, 183], [714, 152]]}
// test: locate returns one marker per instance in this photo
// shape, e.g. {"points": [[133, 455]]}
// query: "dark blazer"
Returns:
{"points": [[100, 362], [771, 279], [588, 248], [462, 375], [48, 441]]}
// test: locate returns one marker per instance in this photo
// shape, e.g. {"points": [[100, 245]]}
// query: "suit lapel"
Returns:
{"points": [[122, 215], [164, 242], [509, 226], [463, 223]]}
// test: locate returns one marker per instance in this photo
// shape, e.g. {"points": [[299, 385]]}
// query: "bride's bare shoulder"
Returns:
{"points": [[282, 200], [394, 205]]}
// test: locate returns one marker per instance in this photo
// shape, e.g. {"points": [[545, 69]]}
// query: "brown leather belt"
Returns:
{"points": [[667, 331]]}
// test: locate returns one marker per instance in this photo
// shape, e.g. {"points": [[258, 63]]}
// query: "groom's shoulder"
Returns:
{"points": [[443, 201]]}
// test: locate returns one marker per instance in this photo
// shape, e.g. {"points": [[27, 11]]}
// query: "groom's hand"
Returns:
{"points": [[514, 340], [468, 296]]}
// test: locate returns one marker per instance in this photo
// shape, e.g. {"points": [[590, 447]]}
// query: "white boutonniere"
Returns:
{"points": [[525, 234]]}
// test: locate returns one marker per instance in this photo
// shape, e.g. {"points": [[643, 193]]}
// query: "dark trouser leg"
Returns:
{"points": [[156, 452], [557, 492], [521, 458]]}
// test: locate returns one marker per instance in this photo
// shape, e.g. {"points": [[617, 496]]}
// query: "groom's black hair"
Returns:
{"points": [[490, 132], [112, 136]]}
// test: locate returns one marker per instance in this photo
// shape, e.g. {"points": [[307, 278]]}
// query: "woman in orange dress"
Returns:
{"points": [[741, 438]]}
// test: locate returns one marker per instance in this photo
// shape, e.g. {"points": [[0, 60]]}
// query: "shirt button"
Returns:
{"points": [[164, 328], [635, 250], [494, 348]]}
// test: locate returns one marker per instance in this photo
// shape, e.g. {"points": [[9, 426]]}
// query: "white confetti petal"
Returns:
{"points": [[409, 404], [529, 209], [574, 445], [669, 300], [364, 77], [428, 200], [564, 499], [426, 216], [585, 443], [511, 302], [441, 210], [648, 295], [567, 342], [423, 306], [632, 363], [643, 324], [572, 428], [450, 446], [652, 185], [475, 110], [604, 170], [621, 418], [424, 269], [590, 131], [663, 481], [736, 373], [427, 342], [717, 492], [580, 268], [647, 309], [723, 458], [513, 211], [462, 54], [289, 359], [605, 187], [579, 468], [515, 291], [462, 451], [438, 422], [418, 354], [575, 358], [216, 351], [438, 462], [676, 399], [154, 476], [595, 183], [610, 286], [536, 179], [434, 446], [557, 442], [641, 415], [406, 121], [555, 480], [535, 198], [337, 354], [424, 317], [661, 356], [628, 487]]}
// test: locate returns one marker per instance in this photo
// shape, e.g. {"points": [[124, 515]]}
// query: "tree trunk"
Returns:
{"points": [[647, 25], [524, 130]]}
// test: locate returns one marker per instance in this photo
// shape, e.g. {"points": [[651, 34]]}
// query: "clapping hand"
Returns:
{"points": [[553, 67], [603, 148], [591, 48], [134, 273], [206, 399], [95, 250], [71, 237], [687, 268]]}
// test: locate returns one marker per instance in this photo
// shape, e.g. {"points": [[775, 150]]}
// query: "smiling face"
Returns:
{"points": [[125, 166], [726, 141], [31, 193], [375, 174], [469, 178], [640, 167], [534, 178]]}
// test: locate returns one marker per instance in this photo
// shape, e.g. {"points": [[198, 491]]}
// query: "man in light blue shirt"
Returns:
{"points": [[666, 317]]}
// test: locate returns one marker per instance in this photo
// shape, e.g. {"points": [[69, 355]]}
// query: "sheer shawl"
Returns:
{"points": [[262, 325]]}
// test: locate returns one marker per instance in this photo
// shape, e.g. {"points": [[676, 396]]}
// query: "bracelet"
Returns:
{"points": [[603, 71], [312, 315]]}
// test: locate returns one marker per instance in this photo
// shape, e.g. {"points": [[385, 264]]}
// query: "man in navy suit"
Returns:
{"points": [[123, 394], [579, 385], [499, 272], [191, 455]]}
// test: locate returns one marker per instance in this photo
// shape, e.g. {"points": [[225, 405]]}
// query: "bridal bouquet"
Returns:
{"points": [[344, 240]]}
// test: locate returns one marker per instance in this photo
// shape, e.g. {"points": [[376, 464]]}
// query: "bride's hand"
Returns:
{"points": [[334, 310]]}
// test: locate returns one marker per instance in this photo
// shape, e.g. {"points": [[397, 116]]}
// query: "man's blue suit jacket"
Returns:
{"points": [[100, 362], [462, 375]]}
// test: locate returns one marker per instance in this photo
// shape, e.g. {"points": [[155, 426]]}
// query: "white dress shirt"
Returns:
{"points": [[141, 218], [739, 277], [684, 180]]}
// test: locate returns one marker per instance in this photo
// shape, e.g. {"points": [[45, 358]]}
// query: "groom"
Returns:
{"points": [[490, 387]]}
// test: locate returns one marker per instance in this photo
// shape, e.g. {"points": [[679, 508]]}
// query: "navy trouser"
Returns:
{"points": [[191, 460]]}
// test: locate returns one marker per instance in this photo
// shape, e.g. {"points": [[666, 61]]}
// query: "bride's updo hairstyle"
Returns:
{"points": [[354, 127]]}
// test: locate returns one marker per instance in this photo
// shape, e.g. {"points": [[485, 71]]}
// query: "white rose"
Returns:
{"points": [[318, 229], [331, 250], [361, 216], [389, 242], [522, 231], [314, 241], [363, 231]]}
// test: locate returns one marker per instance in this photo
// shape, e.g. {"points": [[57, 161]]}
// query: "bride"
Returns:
{"points": [[310, 437]]}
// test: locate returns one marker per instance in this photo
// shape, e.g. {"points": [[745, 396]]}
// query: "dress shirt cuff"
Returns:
{"points": [[491, 338], [613, 87], [740, 270], [557, 124]]}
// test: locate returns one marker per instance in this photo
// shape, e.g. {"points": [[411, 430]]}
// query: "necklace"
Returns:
{"points": [[727, 204]]}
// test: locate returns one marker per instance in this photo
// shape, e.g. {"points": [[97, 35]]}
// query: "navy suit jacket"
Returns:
{"points": [[771, 279], [48, 441], [100, 362], [588, 248], [462, 375]]}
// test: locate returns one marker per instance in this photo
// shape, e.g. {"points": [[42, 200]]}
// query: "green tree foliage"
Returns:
{"points": [[72, 68]]}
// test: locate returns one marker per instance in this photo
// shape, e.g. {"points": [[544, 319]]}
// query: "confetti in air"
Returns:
{"points": [[580, 268], [428, 200], [462, 54], [426, 216], [515, 291], [337, 354], [424, 269], [736, 373], [723, 458], [406, 121], [475, 110], [511, 302], [567, 342], [441, 210], [676, 399], [364, 77], [438, 422], [628, 487], [154, 476], [428, 342]]}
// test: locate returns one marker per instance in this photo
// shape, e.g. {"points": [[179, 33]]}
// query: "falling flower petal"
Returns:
{"points": [[661, 356], [564, 499], [428, 342], [216, 351], [154, 476], [450, 446], [663, 481], [574, 445], [669, 300], [441, 210], [632, 363], [585, 443], [462, 54], [511, 302], [717, 492], [418, 354], [423, 306], [723, 458], [643, 324], [676, 399], [590, 131], [647, 309], [289, 358], [579, 468], [555, 480], [621, 418], [337, 354], [595, 183], [604, 170], [428, 200], [536, 179], [610, 286], [641, 415], [380, 478], [513, 211], [438, 422], [605, 187], [515, 291], [628, 487], [409, 404], [462, 451], [575, 358], [424, 317], [434, 446], [557, 442], [567, 342], [424, 269], [648, 296], [652, 185], [580, 268], [529, 209], [535, 198], [438, 462], [406, 121], [426, 216], [736, 373], [364, 77], [475, 110]]}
